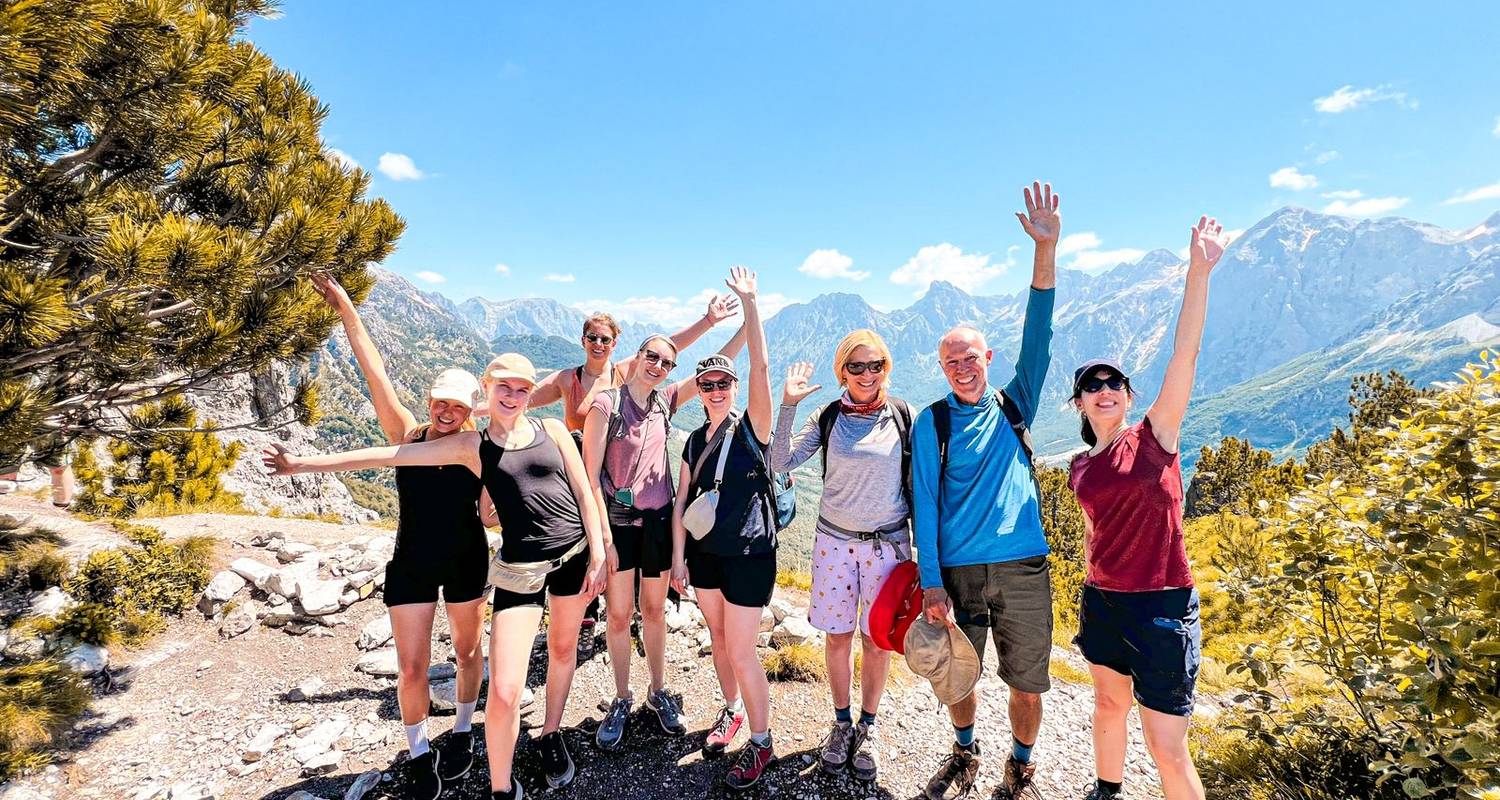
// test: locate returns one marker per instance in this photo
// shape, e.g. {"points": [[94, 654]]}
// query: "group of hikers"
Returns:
{"points": [[586, 506]]}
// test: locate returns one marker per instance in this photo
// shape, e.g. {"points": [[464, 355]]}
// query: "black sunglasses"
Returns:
{"points": [[858, 367], [653, 357], [598, 338], [1097, 383], [722, 385]]}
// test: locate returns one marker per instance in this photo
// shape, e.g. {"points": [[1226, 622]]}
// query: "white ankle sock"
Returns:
{"points": [[465, 716], [416, 738], [738, 706], [761, 739]]}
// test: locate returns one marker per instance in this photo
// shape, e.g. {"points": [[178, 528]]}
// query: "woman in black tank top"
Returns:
{"points": [[440, 548], [547, 512]]}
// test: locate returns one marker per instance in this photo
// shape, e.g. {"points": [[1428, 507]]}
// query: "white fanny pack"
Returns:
{"points": [[698, 518]]}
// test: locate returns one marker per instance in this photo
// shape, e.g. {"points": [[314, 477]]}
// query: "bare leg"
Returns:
{"points": [[562, 654], [511, 634], [711, 603], [466, 621], [741, 626], [620, 595], [838, 654], [1025, 715], [1166, 738], [653, 602], [873, 670], [411, 627]]}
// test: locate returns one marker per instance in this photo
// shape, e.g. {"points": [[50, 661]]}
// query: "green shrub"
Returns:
{"points": [[1335, 766], [795, 662], [1062, 520], [134, 587], [175, 468], [375, 496], [38, 702], [29, 559], [90, 623]]}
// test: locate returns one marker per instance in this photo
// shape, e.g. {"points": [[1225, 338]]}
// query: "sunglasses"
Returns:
{"points": [[598, 338], [653, 357], [722, 385], [1095, 384], [858, 367]]}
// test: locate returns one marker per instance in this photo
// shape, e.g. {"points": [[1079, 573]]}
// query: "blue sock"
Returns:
{"points": [[964, 736], [866, 717], [1021, 752], [842, 715]]}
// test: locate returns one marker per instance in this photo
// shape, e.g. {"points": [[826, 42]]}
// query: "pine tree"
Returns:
{"points": [[164, 191], [1376, 401], [176, 465], [1238, 477]]}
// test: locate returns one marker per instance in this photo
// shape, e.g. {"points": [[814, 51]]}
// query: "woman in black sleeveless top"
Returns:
{"points": [[547, 513], [440, 546], [733, 568]]}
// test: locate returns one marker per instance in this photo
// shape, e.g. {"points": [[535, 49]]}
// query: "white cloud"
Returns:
{"points": [[1090, 260], [565, 277], [1368, 207], [1290, 178], [1496, 131], [503, 269], [945, 262], [428, 276], [1344, 194], [1326, 156], [673, 312], [1491, 192], [1348, 98], [399, 167], [345, 160], [1075, 242], [829, 264]]}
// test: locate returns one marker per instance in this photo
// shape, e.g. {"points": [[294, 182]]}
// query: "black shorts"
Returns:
{"points": [[565, 581], [460, 577], [743, 580], [647, 546], [1153, 637], [1012, 602]]}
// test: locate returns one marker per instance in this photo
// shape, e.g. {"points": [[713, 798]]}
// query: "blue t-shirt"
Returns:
{"points": [[991, 512]]}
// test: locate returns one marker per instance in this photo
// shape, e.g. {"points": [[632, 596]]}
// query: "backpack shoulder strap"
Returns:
{"points": [[826, 419], [901, 412], [942, 424], [1017, 423]]}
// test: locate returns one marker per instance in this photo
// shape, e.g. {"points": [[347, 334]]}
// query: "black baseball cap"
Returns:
{"points": [[717, 362], [1094, 365]]}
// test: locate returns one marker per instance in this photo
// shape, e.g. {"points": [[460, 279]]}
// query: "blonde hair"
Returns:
{"points": [[844, 353], [601, 318]]}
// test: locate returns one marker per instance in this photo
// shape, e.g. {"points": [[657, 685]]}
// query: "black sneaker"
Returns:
{"points": [[668, 712], [515, 793], [956, 775], [457, 756], [612, 729], [422, 777], [1100, 793], [557, 762]]}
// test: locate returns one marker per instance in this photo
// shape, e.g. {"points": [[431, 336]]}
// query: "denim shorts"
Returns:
{"points": [[1155, 638]]}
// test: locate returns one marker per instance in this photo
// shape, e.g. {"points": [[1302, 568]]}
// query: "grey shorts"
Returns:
{"points": [[1012, 601]]}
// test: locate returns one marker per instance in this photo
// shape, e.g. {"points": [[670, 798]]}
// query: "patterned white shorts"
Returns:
{"points": [[846, 577]]}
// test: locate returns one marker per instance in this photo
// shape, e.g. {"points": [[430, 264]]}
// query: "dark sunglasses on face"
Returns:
{"points": [[1095, 384], [715, 386], [858, 367], [598, 338], [653, 357]]}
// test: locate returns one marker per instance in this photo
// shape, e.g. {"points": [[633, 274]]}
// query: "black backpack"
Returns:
{"points": [[942, 423], [901, 410]]}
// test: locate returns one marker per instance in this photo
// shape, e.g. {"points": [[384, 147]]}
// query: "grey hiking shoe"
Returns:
{"points": [[836, 747], [612, 729], [668, 712], [1099, 793], [864, 758], [1018, 782], [956, 775]]}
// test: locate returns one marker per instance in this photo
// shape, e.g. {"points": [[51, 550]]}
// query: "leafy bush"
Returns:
{"points": [[133, 588], [794, 579], [29, 559], [38, 702], [1062, 520], [1238, 478], [177, 465], [1333, 766], [795, 662]]}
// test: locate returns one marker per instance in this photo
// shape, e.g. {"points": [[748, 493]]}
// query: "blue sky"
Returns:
{"points": [[621, 156]]}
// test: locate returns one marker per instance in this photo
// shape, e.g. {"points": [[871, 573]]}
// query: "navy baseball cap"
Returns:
{"points": [[1094, 365]]}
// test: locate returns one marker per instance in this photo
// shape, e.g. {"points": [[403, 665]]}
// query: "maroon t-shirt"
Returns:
{"points": [[1132, 493]]}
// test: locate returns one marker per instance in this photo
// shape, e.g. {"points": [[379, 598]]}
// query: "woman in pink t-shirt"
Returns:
{"points": [[1138, 621]]}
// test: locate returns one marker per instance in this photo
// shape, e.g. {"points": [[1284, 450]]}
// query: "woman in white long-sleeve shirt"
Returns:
{"points": [[863, 525]]}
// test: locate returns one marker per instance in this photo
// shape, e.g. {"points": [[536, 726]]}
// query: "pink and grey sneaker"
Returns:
{"points": [[750, 765], [723, 731]]}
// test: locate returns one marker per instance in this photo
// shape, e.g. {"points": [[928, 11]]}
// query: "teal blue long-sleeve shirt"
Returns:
{"points": [[990, 509]]}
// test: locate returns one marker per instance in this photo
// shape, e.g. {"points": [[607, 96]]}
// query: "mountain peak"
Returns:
{"points": [[941, 288]]}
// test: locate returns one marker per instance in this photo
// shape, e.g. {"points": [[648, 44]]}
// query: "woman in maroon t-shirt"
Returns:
{"points": [[1138, 621]]}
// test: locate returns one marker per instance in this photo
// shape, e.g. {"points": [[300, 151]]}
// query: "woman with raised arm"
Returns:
{"points": [[1138, 621], [863, 529], [440, 547], [625, 441], [552, 551], [731, 563]]}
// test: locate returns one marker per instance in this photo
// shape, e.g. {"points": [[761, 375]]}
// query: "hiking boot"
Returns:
{"points": [[422, 778], [612, 729], [750, 765], [864, 758], [723, 731], [457, 753], [836, 747], [668, 712], [557, 763], [586, 640], [1100, 793], [1018, 782], [956, 775]]}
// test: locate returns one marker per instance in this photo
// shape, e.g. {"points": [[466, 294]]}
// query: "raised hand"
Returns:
{"points": [[1042, 222], [278, 460], [721, 307], [741, 281], [1207, 245], [332, 292], [795, 390]]}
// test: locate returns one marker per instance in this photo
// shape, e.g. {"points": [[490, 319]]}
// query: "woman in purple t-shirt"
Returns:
{"points": [[1138, 622]]}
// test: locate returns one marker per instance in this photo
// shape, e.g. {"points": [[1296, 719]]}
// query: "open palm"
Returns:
{"points": [[796, 388], [722, 307], [1207, 245], [1042, 221], [741, 281]]}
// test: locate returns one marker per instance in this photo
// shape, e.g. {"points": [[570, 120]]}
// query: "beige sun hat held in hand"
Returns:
{"points": [[944, 656]]}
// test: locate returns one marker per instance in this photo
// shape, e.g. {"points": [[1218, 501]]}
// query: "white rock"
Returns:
{"points": [[23, 648], [16, 791], [51, 602], [678, 620], [4, 639], [253, 571], [224, 585], [305, 690], [319, 597], [781, 608], [292, 551], [303, 794], [793, 630], [379, 662], [362, 785], [318, 740], [767, 620], [357, 580], [191, 791], [443, 695], [348, 598], [442, 671], [284, 582], [264, 740], [375, 633], [323, 763], [87, 659], [151, 791], [238, 621]]}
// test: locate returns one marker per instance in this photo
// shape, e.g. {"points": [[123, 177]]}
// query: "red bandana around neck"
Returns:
{"points": [[848, 406]]}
